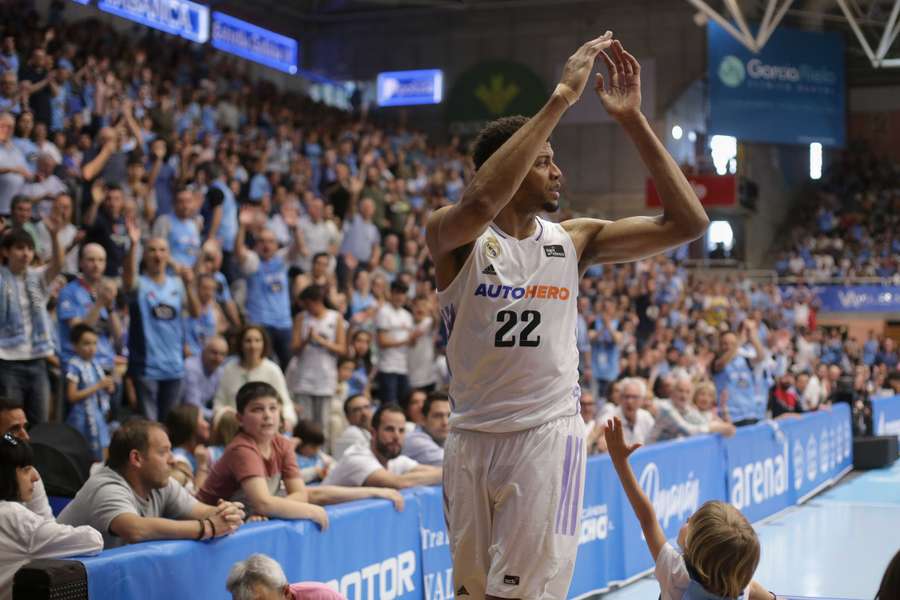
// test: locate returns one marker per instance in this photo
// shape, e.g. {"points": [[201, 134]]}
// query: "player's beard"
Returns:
{"points": [[550, 206]]}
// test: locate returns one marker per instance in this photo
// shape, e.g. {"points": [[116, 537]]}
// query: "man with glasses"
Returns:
{"points": [[358, 410], [13, 422]]}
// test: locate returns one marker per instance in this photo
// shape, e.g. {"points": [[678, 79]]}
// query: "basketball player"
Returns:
{"points": [[508, 285]]}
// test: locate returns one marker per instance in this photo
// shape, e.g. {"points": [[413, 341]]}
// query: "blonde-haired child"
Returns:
{"points": [[721, 550]]}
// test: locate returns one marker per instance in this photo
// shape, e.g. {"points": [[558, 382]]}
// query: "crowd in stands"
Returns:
{"points": [[185, 246], [849, 227]]}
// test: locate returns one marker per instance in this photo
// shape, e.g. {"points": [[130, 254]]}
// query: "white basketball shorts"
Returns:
{"points": [[513, 507]]}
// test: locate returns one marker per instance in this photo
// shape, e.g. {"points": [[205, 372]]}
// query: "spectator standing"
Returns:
{"points": [[13, 167], [319, 234], [206, 325], [396, 333], [69, 236], [421, 354], [156, 334], [87, 391], [26, 336], [733, 373], [606, 343], [105, 223], [268, 289], [319, 339], [90, 299], [181, 229]]}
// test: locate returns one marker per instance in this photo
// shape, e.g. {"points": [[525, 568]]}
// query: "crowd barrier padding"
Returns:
{"points": [[372, 552], [886, 416]]}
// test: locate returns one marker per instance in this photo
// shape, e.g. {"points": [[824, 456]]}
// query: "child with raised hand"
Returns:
{"points": [[721, 550]]}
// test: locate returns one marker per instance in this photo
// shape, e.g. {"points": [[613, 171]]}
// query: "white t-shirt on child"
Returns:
{"points": [[672, 574]]}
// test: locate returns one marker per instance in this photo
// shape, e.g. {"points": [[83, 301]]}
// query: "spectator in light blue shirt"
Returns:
{"points": [[202, 374], [361, 245]]}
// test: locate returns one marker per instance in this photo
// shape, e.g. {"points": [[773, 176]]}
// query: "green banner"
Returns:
{"points": [[490, 90]]}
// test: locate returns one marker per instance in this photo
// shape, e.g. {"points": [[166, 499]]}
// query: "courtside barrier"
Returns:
{"points": [[372, 552], [886, 416]]}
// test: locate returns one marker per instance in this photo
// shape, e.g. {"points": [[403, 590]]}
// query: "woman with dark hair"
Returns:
{"points": [[25, 536], [252, 364], [189, 433]]}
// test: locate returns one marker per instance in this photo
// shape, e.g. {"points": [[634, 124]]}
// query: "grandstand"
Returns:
{"points": [[233, 192]]}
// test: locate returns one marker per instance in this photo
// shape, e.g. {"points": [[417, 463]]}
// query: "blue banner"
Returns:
{"points": [[758, 468], [254, 43], [791, 92], [677, 477], [821, 447], [600, 557], [856, 298], [178, 17], [437, 568], [886, 416], [372, 551], [409, 88]]}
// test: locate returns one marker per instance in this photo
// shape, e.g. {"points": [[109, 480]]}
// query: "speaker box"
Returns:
{"points": [[48, 579], [874, 452]]}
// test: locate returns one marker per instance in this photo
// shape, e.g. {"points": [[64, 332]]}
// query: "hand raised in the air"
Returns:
{"points": [[621, 93], [615, 441], [580, 65]]}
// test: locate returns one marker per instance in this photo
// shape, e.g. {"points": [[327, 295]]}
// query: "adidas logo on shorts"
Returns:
{"points": [[462, 591], [511, 580]]}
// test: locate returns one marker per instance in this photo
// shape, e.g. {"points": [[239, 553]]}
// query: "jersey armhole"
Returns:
{"points": [[462, 267]]}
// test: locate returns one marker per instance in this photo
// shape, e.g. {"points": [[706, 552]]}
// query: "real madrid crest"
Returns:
{"points": [[492, 247]]}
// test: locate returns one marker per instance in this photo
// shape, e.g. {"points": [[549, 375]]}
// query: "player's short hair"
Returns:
{"points": [[386, 408], [431, 399], [722, 548], [493, 136], [8, 404]]}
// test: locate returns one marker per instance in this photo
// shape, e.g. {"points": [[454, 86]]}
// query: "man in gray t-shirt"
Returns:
{"points": [[133, 499]]}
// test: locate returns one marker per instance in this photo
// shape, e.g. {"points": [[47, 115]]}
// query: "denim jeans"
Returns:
{"points": [[281, 344], [26, 381], [157, 397], [392, 387]]}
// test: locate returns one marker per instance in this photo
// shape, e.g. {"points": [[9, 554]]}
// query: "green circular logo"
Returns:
{"points": [[731, 71]]}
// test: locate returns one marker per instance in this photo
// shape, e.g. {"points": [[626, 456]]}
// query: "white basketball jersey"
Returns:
{"points": [[511, 313]]}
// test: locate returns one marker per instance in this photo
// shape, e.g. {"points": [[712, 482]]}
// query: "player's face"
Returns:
{"points": [[389, 435], [544, 181]]}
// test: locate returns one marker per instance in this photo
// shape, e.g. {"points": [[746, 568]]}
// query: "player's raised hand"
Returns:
{"points": [[615, 441], [580, 66], [620, 94]]}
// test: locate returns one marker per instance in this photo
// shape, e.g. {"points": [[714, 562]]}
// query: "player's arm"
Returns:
{"points": [[498, 179], [683, 217]]}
